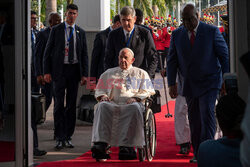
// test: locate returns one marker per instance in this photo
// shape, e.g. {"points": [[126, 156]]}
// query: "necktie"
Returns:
{"points": [[71, 46], [32, 36], [192, 38], [127, 37]]}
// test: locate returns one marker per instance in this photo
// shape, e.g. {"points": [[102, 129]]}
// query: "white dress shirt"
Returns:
{"points": [[195, 31], [66, 41], [125, 33]]}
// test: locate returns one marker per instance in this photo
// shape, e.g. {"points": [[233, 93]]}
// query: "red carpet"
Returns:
{"points": [[7, 151], [166, 152]]}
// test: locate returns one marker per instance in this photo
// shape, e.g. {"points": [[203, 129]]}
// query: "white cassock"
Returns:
{"points": [[118, 123], [181, 122]]}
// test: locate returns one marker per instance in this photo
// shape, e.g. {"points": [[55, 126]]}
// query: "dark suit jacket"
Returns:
{"points": [[202, 65], [33, 48], [53, 61], [41, 41], [98, 53], [1, 67], [150, 30], [142, 45], [7, 37]]}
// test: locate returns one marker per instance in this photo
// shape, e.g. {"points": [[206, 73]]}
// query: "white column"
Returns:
{"points": [[94, 15], [200, 7], [218, 15], [179, 13], [61, 13], [39, 14]]}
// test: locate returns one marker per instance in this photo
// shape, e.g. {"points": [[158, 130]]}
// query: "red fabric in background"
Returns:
{"points": [[7, 151], [166, 152]]}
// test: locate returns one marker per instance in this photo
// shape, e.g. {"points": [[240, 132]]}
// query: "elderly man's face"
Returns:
{"points": [[128, 22], [189, 18], [125, 59]]}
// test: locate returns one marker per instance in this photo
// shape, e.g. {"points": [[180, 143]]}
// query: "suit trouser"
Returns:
{"points": [[65, 117], [2, 112], [163, 58], [34, 128], [34, 89], [202, 118], [181, 122]]}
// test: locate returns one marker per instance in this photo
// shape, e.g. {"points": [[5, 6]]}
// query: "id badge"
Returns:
{"points": [[66, 50]]}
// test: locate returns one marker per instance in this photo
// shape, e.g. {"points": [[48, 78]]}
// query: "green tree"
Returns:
{"points": [[161, 5], [51, 6], [145, 6], [70, 1], [149, 7], [60, 3]]}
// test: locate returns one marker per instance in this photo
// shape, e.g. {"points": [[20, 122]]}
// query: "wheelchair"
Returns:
{"points": [[149, 149], [152, 105]]}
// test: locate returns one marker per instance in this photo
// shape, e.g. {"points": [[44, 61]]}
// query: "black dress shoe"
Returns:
{"points": [[185, 148], [59, 145], [193, 160], [69, 144], [37, 152], [127, 153], [99, 151]]}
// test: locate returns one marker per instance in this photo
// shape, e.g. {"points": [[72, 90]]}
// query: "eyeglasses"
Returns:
{"points": [[33, 18]]}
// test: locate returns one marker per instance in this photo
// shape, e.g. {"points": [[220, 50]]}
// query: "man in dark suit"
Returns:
{"points": [[98, 53], [139, 19], [137, 38], [3, 20], [34, 85], [41, 41], [200, 54], [1, 91], [34, 31], [6, 30], [66, 63]]}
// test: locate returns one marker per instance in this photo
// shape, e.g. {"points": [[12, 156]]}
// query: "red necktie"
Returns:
{"points": [[192, 38]]}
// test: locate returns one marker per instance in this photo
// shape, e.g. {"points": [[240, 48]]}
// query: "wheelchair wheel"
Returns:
{"points": [[150, 135]]}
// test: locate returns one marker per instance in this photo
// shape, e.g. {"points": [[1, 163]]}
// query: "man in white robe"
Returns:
{"points": [[118, 118], [181, 122]]}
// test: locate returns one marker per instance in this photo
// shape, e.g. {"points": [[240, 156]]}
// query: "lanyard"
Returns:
{"points": [[130, 37], [32, 35], [68, 37]]}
